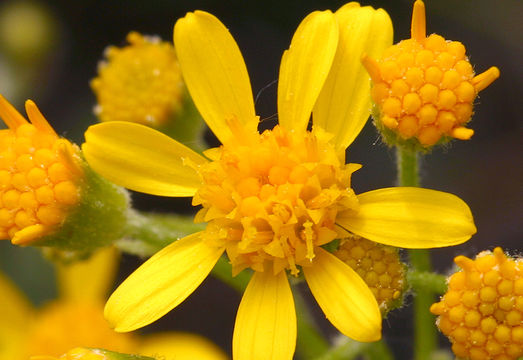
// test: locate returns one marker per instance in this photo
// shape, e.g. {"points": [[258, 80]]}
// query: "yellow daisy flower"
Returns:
{"points": [[271, 200], [75, 318]]}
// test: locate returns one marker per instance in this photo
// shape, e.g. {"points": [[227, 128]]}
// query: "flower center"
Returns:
{"points": [[274, 200]]}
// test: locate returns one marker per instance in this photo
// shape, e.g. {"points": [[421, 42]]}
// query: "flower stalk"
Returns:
{"points": [[424, 330]]}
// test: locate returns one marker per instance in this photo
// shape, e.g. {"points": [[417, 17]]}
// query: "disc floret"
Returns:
{"points": [[274, 198]]}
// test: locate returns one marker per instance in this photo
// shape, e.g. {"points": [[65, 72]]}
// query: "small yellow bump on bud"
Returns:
{"points": [[140, 82], [482, 303], [378, 265], [439, 73], [32, 164]]}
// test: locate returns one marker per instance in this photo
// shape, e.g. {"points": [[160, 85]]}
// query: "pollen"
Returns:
{"points": [[63, 325], [424, 87], [38, 176], [140, 82], [480, 313], [379, 266], [273, 199]]}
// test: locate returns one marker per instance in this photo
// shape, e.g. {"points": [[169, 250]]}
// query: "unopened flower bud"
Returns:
{"points": [[482, 311], [424, 88]]}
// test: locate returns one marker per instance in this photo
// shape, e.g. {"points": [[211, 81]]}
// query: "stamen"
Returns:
{"points": [[418, 30], [486, 78], [462, 133], [9, 115], [29, 234]]}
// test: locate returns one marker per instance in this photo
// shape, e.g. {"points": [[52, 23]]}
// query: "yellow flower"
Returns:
{"points": [[76, 319], [424, 87], [140, 82], [39, 176], [482, 311], [271, 200]]}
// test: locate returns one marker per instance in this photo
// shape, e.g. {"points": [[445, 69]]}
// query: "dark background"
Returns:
{"points": [[486, 171]]}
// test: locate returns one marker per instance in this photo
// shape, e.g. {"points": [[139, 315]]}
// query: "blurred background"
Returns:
{"points": [[49, 52]]}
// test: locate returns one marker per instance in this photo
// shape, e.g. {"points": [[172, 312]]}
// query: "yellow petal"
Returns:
{"points": [[214, 72], [344, 297], [410, 218], [15, 315], [180, 346], [265, 326], [89, 279], [304, 68], [142, 159], [161, 283], [344, 103]]}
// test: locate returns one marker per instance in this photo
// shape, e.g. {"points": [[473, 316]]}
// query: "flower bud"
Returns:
{"points": [[48, 194], [379, 266], [424, 88], [482, 311]]}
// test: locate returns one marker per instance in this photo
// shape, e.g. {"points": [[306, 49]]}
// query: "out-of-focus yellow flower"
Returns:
{"points": [[424, 87], [379, 266], [140, 82], [271, 200], [39, 176], [482, 311], [76, 319]]}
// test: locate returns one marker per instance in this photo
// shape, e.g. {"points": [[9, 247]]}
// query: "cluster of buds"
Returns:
{"points": [[424, 88], [379, 266], [482, 311]]}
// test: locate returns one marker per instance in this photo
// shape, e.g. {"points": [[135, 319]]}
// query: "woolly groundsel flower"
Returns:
{"points": [[482, 311], [272, 200], [75, 319], [379, 266], [47, 192], [424, 87], [140, 82]]}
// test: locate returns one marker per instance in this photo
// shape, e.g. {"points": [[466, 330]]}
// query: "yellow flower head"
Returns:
{"points": [[76, 319], [140, 82], [271, 200], [39, 176], [379, 266], [424, 87], [482, 311]]}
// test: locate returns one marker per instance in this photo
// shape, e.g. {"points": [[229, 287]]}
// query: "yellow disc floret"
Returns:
{"points": [[424, 87], [378, 265], [140, 82], [482, 311], [38, 175], [274, 199], [63, 325]]}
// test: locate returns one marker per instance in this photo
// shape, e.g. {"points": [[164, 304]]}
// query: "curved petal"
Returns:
{"points": [[142, 159], [344, 103], [180, 346], [410, 217], [214, 72], [89, 279], [344, 297], [265, 326], [304, 68], [161, 283]]}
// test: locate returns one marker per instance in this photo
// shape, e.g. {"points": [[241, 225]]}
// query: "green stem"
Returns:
{"points": [[427, 280], [347, 349], [425, 334]]}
